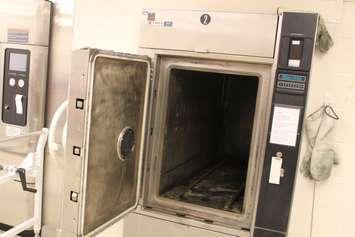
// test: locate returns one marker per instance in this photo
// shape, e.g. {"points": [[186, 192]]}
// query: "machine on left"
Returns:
{"points": [[24, 47]]}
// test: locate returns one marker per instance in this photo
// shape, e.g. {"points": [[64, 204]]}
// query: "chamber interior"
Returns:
{"points": [[207, 138]]}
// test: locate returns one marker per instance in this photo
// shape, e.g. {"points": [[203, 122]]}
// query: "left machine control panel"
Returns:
{"points": [[15, 86]]}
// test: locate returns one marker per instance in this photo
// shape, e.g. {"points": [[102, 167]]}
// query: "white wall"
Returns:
{"points": [[114, 24], [334, 210], [59, 74], [108, 24]]}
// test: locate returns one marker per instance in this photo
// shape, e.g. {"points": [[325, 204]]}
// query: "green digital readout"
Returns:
{"points": [[291, 77]]}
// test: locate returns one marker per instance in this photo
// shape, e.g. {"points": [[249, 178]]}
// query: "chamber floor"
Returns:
{"points": [[221, 187]]}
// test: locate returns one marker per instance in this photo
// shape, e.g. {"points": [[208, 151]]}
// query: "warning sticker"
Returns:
{"points": [[20, 36]]}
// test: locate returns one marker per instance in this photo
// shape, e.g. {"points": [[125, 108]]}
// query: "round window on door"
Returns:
{"points": [[125, 143]]}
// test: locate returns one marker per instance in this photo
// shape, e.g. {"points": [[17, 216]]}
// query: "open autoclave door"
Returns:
{"points": [[108, 106]]}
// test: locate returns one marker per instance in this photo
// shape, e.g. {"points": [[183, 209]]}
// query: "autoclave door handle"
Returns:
{"points": [[53, 146]]}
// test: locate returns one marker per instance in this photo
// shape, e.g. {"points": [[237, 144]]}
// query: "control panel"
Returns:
{"points": [[286, 120], [15, 86], [291, 82]]}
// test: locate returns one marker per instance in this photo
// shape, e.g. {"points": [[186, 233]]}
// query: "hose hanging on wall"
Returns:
{"points": [[320, 157]]}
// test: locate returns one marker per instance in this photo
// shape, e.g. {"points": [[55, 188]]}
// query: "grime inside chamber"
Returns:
{"points": [[207, 138]]}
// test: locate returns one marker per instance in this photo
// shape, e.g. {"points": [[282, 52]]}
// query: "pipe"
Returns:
{"points": [[19, 228], [53, 147]]}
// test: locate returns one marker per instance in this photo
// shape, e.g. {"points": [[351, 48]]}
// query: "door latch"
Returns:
{"points": [[276, 170]]}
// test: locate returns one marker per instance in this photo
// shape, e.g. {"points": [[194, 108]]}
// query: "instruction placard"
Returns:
{"points": [[284, 126]]}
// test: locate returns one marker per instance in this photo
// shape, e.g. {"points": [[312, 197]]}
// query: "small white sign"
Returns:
{"points": [[284, 126], [296, 42], [275, 170], [294, 63], [13, 131]]}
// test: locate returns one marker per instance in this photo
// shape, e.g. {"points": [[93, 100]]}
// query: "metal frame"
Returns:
{"points": [[36, 161], [87, 137], [152, 176], [268, 111], [76, 169], [223, 59]]}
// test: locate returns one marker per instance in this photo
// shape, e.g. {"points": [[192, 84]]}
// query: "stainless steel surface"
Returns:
{"points": [[72, 168], [153, 168], [33, 19], [252, 61], [26, 17], [179, 221], [138, 225], [196, 53], [227, 33], [59, 74], [115, 96], [267, 111]]}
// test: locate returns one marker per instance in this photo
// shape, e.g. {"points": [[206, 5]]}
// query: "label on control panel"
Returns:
{"points": [[275, 170], [18, 104], [294, 63], [285, 126]]}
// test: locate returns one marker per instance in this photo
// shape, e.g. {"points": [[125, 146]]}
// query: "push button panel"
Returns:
{"points": [[15, 86], [296, 47], [290, 82], [291, 86]]}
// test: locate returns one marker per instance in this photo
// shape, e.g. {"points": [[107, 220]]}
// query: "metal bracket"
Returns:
{"points": [[22, 174]]}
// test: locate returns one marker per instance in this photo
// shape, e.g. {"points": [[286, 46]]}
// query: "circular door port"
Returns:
{"points": [[125, 143]]}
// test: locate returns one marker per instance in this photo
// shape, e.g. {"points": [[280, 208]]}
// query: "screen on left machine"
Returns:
{"points": [[18, 62]]}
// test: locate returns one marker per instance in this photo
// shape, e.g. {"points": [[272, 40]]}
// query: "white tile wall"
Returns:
{"points": [[334, 208]]}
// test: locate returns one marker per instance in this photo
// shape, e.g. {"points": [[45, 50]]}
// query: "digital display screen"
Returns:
{"points": [[291, 77], [18, 62]]}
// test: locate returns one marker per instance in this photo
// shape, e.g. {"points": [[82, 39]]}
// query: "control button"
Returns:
{"points": [[18, 103], [21, 83], [12, 82]]}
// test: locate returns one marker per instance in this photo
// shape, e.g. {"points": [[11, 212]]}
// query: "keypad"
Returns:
{"points": [[290, 85]]}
